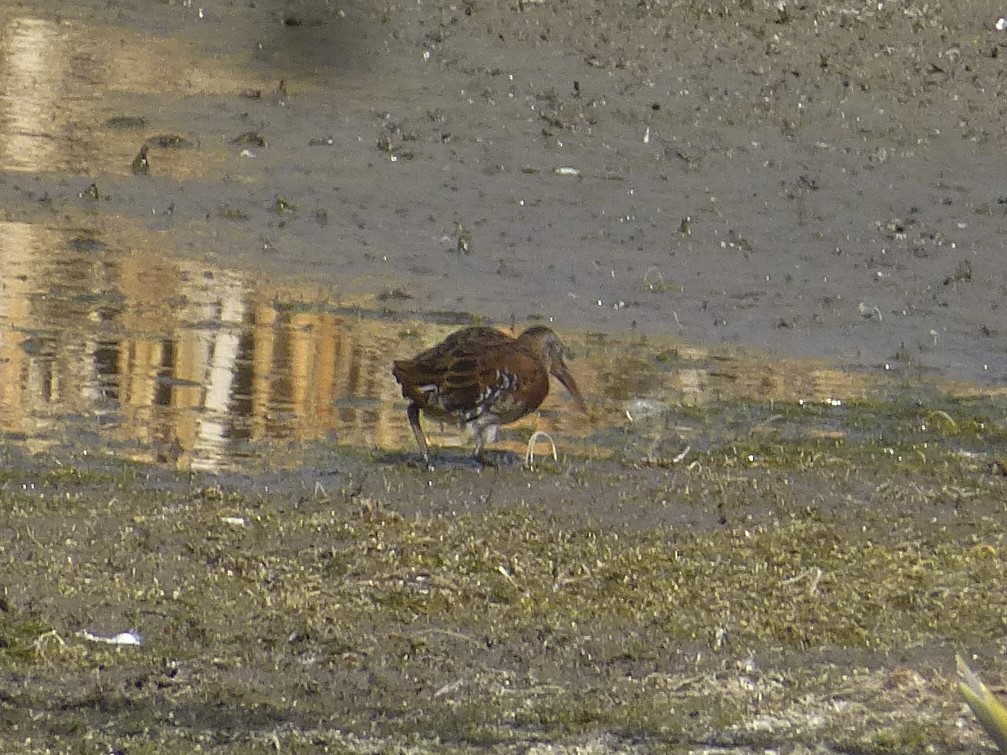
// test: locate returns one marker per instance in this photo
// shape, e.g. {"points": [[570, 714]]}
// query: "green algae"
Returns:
{"points": [[752, 594]]}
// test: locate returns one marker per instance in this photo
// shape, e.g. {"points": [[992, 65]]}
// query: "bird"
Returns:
{"points": [[481, 378]]}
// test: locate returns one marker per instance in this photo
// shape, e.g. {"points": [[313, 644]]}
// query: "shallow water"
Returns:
{"points": [[63, 86], [109, 343], [112, 341]]}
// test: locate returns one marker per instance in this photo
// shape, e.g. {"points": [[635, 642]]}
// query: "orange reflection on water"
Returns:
{"points": [[199, 367]]}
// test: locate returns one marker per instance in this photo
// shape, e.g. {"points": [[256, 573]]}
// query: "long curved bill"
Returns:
{"points": [[562, 373]]}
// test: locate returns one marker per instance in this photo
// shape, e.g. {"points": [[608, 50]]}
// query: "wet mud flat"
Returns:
{"points": [[784, 590], [782, 565]]}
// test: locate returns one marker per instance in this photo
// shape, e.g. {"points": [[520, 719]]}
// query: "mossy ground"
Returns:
{"points": [[769, 592]]}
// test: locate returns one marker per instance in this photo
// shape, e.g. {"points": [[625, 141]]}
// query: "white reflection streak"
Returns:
{"points": [[222, 357], [33, 59], [18, 245]]}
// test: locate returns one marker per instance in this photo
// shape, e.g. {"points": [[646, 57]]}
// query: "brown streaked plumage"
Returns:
{"points": [[481, 378]]}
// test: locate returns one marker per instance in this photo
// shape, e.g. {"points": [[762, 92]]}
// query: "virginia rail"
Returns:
{"points": [[482, 378]]}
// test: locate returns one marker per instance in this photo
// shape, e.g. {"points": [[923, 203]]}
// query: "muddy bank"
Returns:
{"points": [[776, 595], [746, 567]]}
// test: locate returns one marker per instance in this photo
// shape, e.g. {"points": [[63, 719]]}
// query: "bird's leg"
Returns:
{"points": [[480, 446], [485, 433], [413, 412]]}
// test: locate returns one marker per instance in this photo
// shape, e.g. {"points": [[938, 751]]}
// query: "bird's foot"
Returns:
{"points": [[422, 463], [498, 459]]}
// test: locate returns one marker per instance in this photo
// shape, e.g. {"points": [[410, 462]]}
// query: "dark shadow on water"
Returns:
{"points": [[450, 459]]}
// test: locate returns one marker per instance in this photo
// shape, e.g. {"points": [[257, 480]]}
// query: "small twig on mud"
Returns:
{"points": [[536, 690], [653, 280], [815, 574], [764, 426], [448, 633], [867, 311], [651, 459], [510, 577], [45, 639], [31, 536], [529, 458], [449, 688], [945, 417]]}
